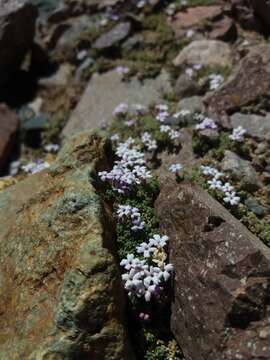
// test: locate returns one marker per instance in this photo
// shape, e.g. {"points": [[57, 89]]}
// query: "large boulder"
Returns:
{"points": [[61, 295], [221, 305], [9, 125], [17, 29], [249, 82]]}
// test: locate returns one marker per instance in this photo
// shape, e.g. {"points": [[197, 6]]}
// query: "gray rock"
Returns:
{"points": [[113, 37], [17, 29], [104, 92], [186, 86], [241, 168], [205, 52], [254, 206], [194, 104], [256, 125]]}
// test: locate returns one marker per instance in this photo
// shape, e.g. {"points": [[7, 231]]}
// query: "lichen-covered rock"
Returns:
{"points": [[220, 308], [61, 294]]}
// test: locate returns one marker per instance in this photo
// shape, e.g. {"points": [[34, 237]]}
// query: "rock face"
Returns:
{"points": [[262, 9], [205, 52], [241, 168], [106, 91], [8, 128], [113, 37], [221, 307], [61, 294], [17, 17], [256, 125], [249, 81]]}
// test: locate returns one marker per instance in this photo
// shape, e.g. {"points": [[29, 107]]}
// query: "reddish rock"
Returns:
{"points": [[224, 29], [250, 80], [8, 127], [194, 17], [221, 303]]}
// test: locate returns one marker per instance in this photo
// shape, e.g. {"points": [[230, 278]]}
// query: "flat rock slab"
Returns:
{"points": [[61, 294], [256, 125], [118, 33], [104, 92], [221, 307], [249, 81], [205, 52], [9, 125]]}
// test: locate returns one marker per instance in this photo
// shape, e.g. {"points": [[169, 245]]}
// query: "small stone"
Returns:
{"points": [[241, 168], [206, 53], [255, 125], [185, 86], [254, 206], [113, 37], [194, 104]]}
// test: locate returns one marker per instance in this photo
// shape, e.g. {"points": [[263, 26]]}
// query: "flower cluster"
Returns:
{"points": [[52, 148], [216, 183], [162, 112], [127, 171], [145, 278], [121, 109], [190, 71], [124, 211], [35, 167], [238, 134], [206, 123], [215, 81], [175, 168], [148, 142], [173, 134]]}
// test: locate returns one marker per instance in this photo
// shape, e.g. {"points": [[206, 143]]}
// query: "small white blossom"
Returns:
{"points": [[231, 198], [207, 123], [175, 168], [238, 134], [52, 148], [120, 109], [215, 81]]}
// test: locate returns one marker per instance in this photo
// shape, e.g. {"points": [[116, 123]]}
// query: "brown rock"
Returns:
{"points": [[224, 29], [262, 10], [194, 17], [8, 127], [221, 307], [250, 80]]}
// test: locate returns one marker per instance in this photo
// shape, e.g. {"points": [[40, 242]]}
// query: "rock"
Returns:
{"points": [[224, 30], [256, 125], [241, 168], [17, 17], [60, 78], [220, 307], [248, 82], [104, 92], [262, 10], [185, 86], [61, 295], [9, 126], [194, 17], [194, 104], [117, 34], [205, 52], [253, 205]]}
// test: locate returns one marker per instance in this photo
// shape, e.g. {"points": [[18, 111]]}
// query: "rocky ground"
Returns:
{"points": [[134, 179]]}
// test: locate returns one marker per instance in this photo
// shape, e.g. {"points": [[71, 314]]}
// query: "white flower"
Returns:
{"points": [[210, 171], [120, 109], [173, 134], [52, 148], [231, 198], [238, 134], [190, 33], [189, 72], [122, 70], [159, 241], [166, 273], [115, 137], [215, 184], [165, 128], [35, 167], [175, 168], [146, 249], [207, 123], [215, 81], [149, 143]]}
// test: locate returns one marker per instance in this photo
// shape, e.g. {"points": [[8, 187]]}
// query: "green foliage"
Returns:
{"points": [[159, 349], [54, 127]]}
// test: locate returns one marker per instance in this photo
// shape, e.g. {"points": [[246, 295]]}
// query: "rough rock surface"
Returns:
{"points": [[256, 125], [248, 82], [241, 168], [104, 92], [60, 295], [221, 307], [17, 17], [113, 37], [8, 128], [205, 52]]}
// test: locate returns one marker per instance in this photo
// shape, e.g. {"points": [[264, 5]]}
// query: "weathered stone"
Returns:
{"points": [[193, 17], [220, 307], [104, 92], [61, 295], [256, 125], [224, 30], [113, 37], [248, 82], [241, 168], [9, 125], [17, 17], [194, 104], [205, 52], [254, 206], [185, 86]]}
